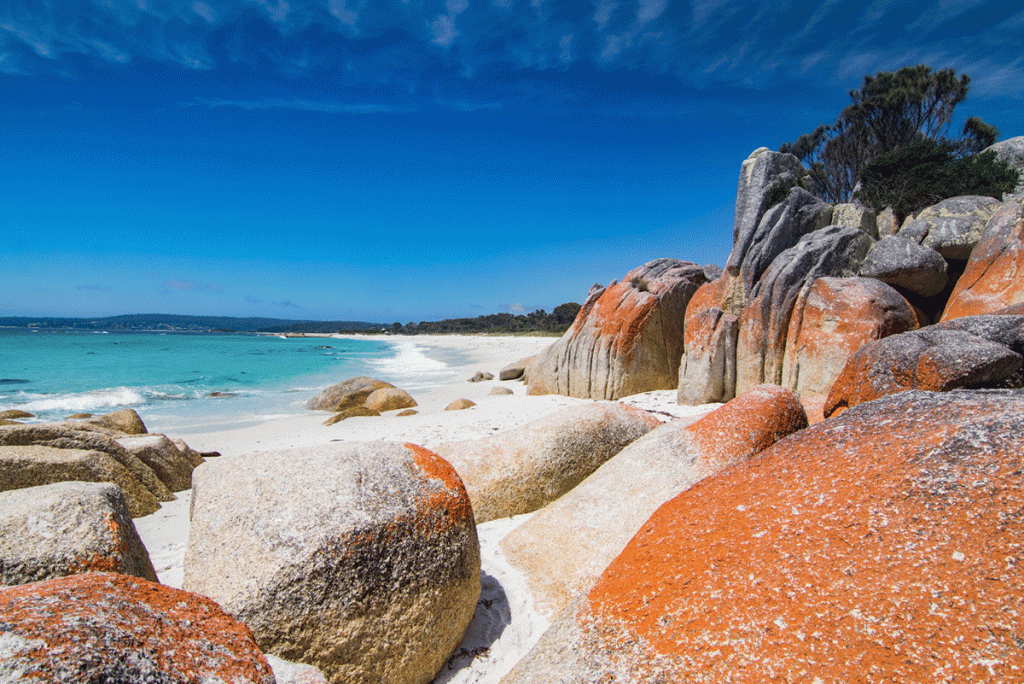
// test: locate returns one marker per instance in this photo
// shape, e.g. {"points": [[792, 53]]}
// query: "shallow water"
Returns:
{"points": [[168, 378]]}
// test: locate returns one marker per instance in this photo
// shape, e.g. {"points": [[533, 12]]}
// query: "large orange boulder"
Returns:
{"points": [[971, 352], [992, 279], [104, 627], [880, 546], [833, 318], [627, 338]]}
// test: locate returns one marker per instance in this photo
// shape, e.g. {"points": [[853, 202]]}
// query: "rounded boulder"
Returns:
{"points": [[389, 399], [359, 558], [103, 627]]}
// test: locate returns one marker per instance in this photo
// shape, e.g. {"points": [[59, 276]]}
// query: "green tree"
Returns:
{"points": [[890, 111]]}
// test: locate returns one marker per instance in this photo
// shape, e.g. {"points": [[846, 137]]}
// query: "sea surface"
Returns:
{"points": [[173, 379]]}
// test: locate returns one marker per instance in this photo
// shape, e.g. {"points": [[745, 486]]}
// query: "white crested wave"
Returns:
{"points": [[86, 401]]}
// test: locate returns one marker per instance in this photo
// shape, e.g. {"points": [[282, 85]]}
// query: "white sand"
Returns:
{"points": [[504, 626]]}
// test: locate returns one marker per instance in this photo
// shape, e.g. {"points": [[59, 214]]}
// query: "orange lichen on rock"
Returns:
{"points": [[832, 319], [450, 500], [620, 314], [746, 425], [938, 358], [814, 405], [992, 278], [108, 627], [883, 545], [627, 338]]}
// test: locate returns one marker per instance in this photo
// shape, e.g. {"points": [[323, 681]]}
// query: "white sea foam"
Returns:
{"points": [[411, 367], [87, 401]]}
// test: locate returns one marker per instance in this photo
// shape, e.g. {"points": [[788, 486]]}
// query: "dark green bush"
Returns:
{"points": [[925, 172]]}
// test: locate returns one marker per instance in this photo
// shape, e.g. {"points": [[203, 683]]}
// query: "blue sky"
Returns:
{"points": [[404, 160]]}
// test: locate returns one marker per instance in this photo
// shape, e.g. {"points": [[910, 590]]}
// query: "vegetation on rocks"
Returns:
{"points": [[926, 172], [908, 114]]}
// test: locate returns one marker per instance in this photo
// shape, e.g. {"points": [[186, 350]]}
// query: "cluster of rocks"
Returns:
{"points": [[361, 396], [806, 286], [113, 448]]}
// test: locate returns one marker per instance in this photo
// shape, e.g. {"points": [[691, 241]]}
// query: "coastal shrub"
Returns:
{"points": [[926, 172]]}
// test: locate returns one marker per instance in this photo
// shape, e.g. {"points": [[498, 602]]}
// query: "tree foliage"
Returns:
{"points": [[539, 321], [890, 111], [925, 172]]}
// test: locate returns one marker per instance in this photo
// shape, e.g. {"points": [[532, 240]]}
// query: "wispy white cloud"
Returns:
{"points": [[422, 46]]}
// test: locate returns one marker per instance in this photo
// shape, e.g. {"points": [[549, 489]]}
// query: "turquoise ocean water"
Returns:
{"points": [[168, 377]]}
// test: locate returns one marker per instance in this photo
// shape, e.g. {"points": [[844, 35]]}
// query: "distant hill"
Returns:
{"points": [[555, 323], [176, 323]]}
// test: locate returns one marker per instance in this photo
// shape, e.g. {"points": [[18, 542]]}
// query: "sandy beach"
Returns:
{"points": [[505, 625]]}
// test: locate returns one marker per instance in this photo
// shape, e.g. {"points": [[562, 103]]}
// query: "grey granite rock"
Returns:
{"points": [[68, 528], [31, 466], [521, 470], [902, 262], [359, 558], [954, 226], [343, 395], [626, 339], [836, 251]]}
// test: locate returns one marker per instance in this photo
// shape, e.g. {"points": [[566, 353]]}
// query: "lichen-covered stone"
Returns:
{"points": [[971, 352], [880, 546], [103, 627], [764, 324], [72, 436], [67, 528], [832, 319], [993, 276], [566, 546], [762, 175], [521, 470], [359, 558], [856, 216], [170, 464], [905, 264], [953, 226], [125, 421], [708, 371], [626, 339]]}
